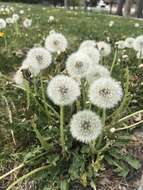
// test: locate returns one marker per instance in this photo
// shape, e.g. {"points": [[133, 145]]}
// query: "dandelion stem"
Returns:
{"points": [[83, 94], [27, 94], [129, 116], [119, 111], [102, 134], [92, 147], [114, 61], [35, 87], [27, 175], [62, 128], [77, 105], [44, 99], [5, 41], [43, 143], [11, 171], [129, 126]]}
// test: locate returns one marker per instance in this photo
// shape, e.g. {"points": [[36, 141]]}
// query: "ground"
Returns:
{"points": [[16, 138]]}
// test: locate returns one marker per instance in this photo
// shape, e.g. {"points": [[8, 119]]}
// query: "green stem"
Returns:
{"points": [[119, 111], [5, 41], [27, 175], [129, 116], [129, 127], [35, 87], [44, 99], [17, 29], [102, 134], [92, 147], [26, 85], [114, 61], [34, 96], [11, 171], [22, 165], [77, 105], [43, 143], [62, 128], [83, 94]]}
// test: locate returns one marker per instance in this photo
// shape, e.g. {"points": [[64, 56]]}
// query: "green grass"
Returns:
{"points": [[14, 118], [76, 26]]}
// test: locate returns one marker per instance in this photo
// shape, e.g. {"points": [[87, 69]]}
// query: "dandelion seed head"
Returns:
{"points": [[9, 20], [97, 72], [78, 65], [2, 23], [33, 67], [85, 126], [40, 56], [63, 90], [15, 17], [129, 42], [56, 42], [138, 43], [93, 54], [111, 23], [104, 48], [105, 93], [88, 43], [120, 44], [27, 23]]}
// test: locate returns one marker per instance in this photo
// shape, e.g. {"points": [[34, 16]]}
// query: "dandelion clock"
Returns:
{"points": [[97, 72], [56, 42], [105, 93], [85, 126], [40, 56], [63, 90], [93, 54], [78, 65]]}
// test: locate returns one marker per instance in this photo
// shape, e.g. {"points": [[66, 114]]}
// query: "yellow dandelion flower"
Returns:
{"points": [[2, 34]]}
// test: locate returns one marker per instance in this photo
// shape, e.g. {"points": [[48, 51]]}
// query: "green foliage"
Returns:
{"points": [[36, 131]]}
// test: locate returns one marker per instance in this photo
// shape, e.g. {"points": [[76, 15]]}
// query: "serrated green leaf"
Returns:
{"points": [[132, 162], [121, 167]]}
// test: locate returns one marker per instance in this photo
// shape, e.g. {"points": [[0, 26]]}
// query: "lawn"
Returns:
{"points": [[29, 121]]}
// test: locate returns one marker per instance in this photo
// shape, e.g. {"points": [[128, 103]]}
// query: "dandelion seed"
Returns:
{"points": [[63, 90], [85, 126], [105, 93]]}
